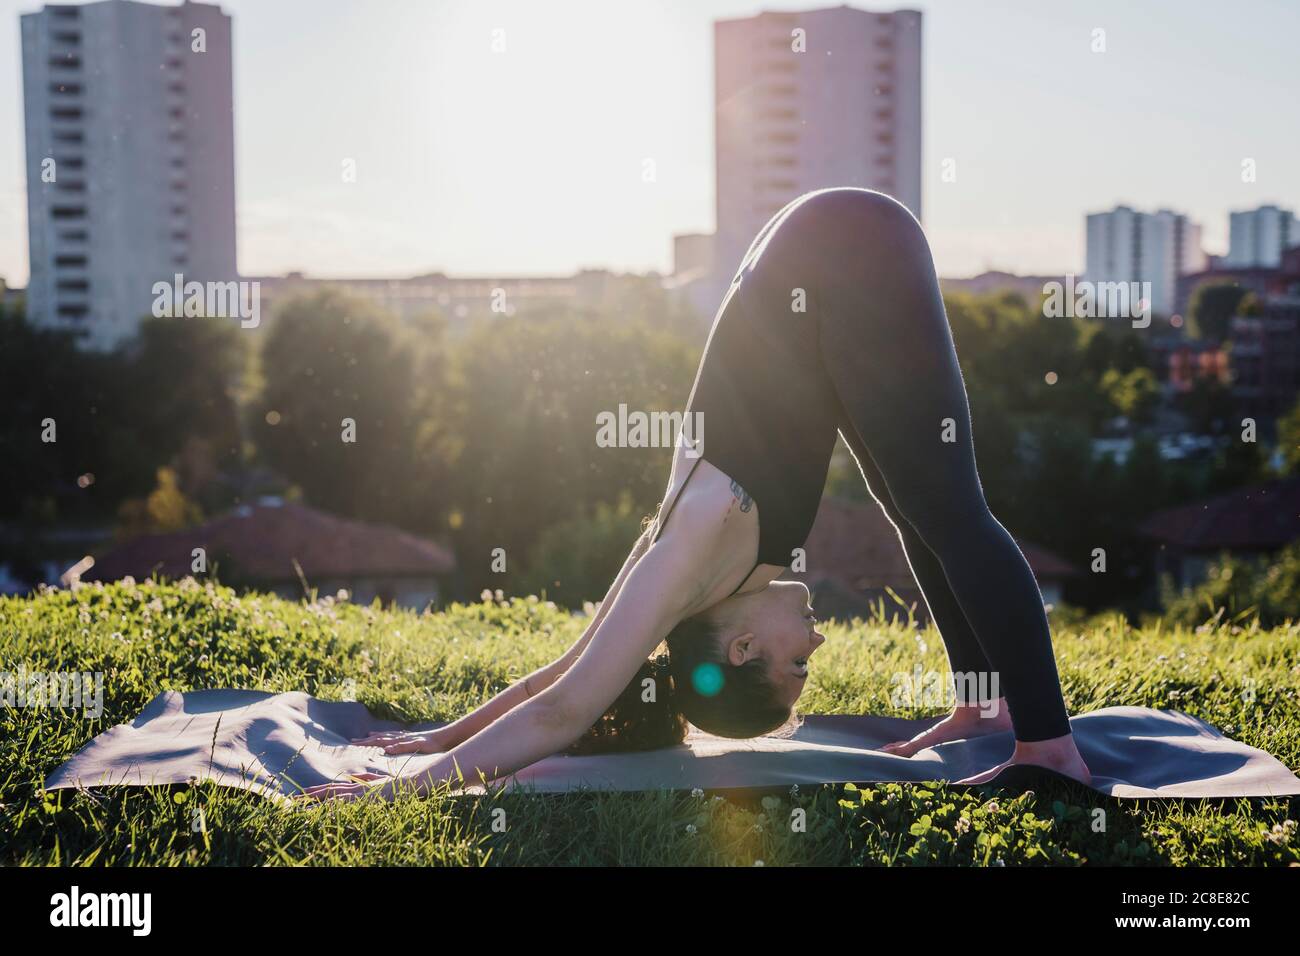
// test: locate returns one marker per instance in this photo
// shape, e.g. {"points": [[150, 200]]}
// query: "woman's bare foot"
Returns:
{"points": [[966, 721], [1059, 754]]}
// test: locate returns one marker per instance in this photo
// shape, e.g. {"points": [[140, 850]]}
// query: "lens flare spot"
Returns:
{"points": [[708, 680]]}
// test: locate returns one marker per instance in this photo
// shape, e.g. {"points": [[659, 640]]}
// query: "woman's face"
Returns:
{"points": [[777, 625]]}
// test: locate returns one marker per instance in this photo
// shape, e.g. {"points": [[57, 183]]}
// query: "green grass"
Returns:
{"points": [[149, 637]]}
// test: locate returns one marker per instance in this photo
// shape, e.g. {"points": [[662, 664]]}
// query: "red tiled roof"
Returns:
{"points": [[853, 544], [1256, 518], [261, 543]]}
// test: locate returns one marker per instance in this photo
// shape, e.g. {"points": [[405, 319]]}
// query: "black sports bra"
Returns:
{"points": [[662, 518], [768, 415]]}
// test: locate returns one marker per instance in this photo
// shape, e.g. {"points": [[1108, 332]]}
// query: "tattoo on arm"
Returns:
{"points": [[746, 502]]}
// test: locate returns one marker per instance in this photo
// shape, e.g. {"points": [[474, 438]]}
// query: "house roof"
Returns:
{"points": [[1258, 517], [261, 543], [853, 544]]}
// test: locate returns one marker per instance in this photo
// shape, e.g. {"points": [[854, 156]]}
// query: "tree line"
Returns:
{"points": [[486, 437]]}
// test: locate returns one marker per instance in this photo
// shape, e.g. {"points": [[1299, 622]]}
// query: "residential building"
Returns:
{"points": [[1125, 246], [808, 100], [130, 159], [1258, 237]]}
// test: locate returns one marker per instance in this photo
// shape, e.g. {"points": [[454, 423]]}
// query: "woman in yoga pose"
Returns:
{"points": [[833, 324]]}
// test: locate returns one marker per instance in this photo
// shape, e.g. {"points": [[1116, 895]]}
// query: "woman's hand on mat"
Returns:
{"points": [[407, 741], [357, 786]]}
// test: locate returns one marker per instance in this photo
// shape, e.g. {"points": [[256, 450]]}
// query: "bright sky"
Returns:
{"points": [[530, 161]]}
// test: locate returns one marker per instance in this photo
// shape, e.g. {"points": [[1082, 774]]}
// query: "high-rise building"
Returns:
{"points": [[130, 159], [1258, 237], [1126, 246], [810, 100]]}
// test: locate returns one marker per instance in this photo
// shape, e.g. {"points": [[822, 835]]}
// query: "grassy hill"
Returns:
{"points": [[146, 638]]}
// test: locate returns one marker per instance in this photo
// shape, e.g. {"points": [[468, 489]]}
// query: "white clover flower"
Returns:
{"points": [[1282, 832]]}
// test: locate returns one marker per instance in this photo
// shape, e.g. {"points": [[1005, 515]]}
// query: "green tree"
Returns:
{"points": [[1209, 405], [166, 508], [1239, 589], [1213, 306], [575, 559], [348, 410], [1288, 440], [524, 455], [178, 405], [1134, 393]]}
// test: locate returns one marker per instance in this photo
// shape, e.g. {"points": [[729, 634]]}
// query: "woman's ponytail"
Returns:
{"points": [[645, 716]]}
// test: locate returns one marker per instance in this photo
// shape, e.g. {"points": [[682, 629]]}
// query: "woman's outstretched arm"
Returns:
{"points": [[444, 738], [663, 587]]}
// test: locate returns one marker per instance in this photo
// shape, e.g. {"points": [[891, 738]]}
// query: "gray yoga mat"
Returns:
{"points": [[276, 743]]}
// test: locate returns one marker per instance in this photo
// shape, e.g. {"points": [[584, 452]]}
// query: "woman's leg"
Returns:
{"points": [[965, 656], [888, 351], [978, 708]]}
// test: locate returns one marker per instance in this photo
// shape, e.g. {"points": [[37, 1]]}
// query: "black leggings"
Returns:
{"points": [[887, 349]]}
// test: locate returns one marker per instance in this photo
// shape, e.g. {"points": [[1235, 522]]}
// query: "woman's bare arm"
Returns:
{"points": [[444, 738], [544, 677], [659, 591], [679, 575]]}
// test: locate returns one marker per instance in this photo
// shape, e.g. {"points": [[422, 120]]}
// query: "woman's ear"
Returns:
{"points": [[741, 649]]}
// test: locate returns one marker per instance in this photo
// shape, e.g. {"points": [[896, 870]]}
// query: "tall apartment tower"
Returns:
{"points": [[809, 100], [1125, 246], [130, 159], [1258, 237]]}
